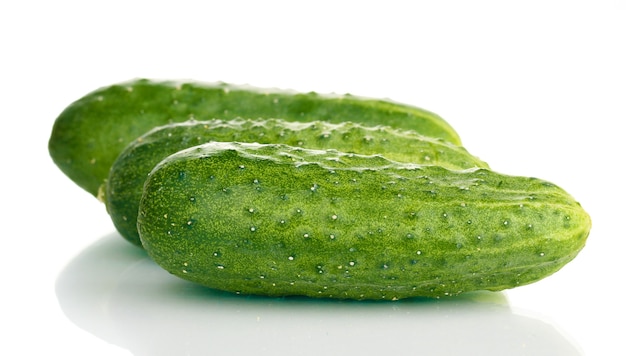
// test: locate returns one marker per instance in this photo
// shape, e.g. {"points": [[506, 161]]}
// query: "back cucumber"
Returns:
{"points": [[91, 132], [277, 220], [128, 173]]}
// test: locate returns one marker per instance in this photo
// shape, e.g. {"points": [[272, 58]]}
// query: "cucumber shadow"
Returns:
{"points": [[114, 291]]}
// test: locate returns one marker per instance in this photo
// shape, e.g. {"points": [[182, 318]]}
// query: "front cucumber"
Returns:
{"points": [[91, 132], [129, 171], [277, 220]]}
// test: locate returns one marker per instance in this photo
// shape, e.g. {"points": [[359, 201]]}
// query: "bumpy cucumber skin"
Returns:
{"points": [[90, 133], [129, 171], [278, 221]]}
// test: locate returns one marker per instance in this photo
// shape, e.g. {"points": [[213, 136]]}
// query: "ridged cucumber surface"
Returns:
{"points": [[129, 172], [91, 132], [277, 220]]}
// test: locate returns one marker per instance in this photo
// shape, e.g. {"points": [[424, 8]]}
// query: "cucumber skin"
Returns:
{"points": [[129, 171], [91, 132], [278, 221]]}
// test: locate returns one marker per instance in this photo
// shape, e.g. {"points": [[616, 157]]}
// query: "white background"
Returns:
{"points": [[535, 88]]}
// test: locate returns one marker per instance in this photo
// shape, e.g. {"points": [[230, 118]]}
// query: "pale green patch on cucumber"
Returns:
{"points": [[91, 132], [130, 170], [277, 220]]}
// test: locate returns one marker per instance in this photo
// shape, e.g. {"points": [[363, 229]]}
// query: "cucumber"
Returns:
{"points": [[277, 220], [128, 173], [91, 132]]}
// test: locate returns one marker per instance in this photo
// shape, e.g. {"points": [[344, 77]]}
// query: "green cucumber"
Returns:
{"points": [[91, 132], [277, 220], [128, 173]]}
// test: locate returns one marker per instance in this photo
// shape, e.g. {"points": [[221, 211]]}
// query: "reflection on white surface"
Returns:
{"points": [[113, 290]]}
